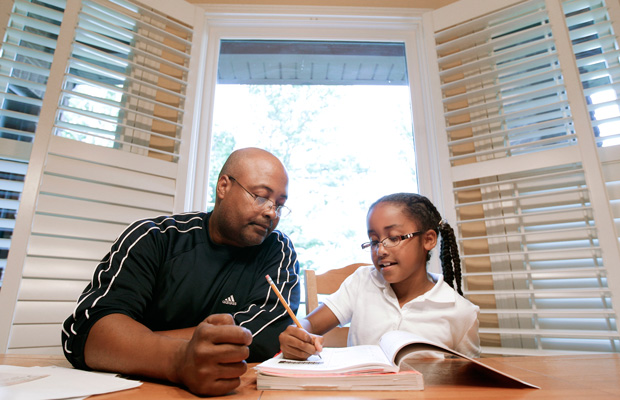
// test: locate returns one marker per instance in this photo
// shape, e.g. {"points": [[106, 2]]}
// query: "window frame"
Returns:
{"points": [[319, 23]]}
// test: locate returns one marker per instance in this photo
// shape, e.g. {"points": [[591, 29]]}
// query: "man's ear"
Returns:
{"points": [[223, 186], [429, 239]]}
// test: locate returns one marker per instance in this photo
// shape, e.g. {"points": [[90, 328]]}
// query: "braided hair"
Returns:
{"points": [[421, 210]]}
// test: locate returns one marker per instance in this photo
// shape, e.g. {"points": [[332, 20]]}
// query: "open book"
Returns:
{"points": [[367, 367], [339, 368]]}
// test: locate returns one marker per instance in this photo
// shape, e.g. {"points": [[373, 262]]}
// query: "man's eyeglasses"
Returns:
{"points": [[391, 241], [263, 203]]}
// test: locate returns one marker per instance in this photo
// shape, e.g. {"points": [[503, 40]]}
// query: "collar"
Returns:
{"points": [[440, 293]]}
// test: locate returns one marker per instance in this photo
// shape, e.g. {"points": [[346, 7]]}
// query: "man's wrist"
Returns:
{"points": [[176, 362]]}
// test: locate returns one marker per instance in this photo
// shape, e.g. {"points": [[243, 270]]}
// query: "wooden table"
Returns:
{"points": [[580, 377]]}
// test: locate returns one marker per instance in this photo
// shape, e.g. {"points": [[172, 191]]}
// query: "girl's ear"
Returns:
{"points": [[429, 239]]}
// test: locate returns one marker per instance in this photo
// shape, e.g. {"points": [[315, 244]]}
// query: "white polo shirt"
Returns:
{"points": [[441, 315]]}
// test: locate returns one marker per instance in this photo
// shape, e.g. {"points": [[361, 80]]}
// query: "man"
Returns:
{"points": [[184, 298]]}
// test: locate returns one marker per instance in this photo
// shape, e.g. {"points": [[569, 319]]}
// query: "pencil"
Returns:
{"points": [[285, 304]]}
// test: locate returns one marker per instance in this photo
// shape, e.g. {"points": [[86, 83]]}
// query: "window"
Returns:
{"points": [[338, 114]]}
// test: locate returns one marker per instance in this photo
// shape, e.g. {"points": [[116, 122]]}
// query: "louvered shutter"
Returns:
{"points": [[518, 135], [29, 35], [110, 147]]}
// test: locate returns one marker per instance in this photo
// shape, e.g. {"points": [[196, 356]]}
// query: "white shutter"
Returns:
{"points": [[29, 42], [127, 79], [109, 148], [592, 25], [610, 158], [539, 250]]}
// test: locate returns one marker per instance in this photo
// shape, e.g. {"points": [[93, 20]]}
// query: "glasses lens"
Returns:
{"points": [[261, 202], [391, 241], [371, 246], [281, 211]]}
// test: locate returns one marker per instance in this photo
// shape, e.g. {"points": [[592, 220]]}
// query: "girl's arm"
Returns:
{"points": [[299, 344], [470, 343]]}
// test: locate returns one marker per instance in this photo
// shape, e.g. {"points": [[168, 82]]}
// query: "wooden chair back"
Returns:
{"points": [[328, 283]]}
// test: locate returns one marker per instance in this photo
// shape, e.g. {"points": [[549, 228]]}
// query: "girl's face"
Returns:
{"points": [[406, 262]]}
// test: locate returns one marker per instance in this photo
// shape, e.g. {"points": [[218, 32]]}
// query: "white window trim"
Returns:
{"points": [[320, 23]]}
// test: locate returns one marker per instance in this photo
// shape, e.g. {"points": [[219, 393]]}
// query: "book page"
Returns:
{"points": [[392, 342], [333, 360], [397, 345]]}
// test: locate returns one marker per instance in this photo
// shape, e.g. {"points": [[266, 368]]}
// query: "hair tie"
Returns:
{"points": [[442, 223]]}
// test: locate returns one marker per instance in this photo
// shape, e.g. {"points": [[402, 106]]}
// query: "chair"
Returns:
{"points": [[328, 283]]}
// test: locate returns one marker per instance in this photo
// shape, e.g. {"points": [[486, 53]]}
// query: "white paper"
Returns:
{"points": [[51, 383], [333, 360]]}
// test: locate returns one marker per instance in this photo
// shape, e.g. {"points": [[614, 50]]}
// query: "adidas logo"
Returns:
{"points": [[230, 300]]}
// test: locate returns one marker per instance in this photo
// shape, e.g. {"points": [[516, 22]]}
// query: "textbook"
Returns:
{"points": [[402, 380], [339, 368], [387, 366]]}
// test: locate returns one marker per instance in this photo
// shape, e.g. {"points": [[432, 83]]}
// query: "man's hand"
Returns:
{"points": [[213, 360], [208, 363], [297, 344]]}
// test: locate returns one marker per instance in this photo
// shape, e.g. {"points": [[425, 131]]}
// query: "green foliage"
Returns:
{"points": [[222, 144], [290, 113]]}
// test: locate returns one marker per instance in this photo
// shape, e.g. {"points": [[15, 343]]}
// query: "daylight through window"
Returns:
{"points": [[338, 115]]}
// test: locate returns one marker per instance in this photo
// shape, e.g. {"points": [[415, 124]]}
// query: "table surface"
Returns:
{"points": [[590, 377]]}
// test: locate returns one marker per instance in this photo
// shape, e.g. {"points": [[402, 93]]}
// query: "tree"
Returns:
{"points": [[222, 144]]}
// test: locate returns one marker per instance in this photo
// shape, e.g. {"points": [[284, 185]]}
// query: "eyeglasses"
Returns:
{"points": [[391, 241], [261, 202]]}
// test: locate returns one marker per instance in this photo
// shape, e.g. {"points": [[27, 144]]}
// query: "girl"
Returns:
{"points": [[397, 293]]}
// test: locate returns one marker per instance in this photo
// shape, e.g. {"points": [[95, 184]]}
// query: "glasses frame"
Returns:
{"points": [[281, 211], [398, 238]]}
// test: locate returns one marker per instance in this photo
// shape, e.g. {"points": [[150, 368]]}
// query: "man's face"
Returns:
{"points": [[241, 222]]}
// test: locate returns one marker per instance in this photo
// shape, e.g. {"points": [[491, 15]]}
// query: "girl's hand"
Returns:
{"points": [[297, 344]]}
